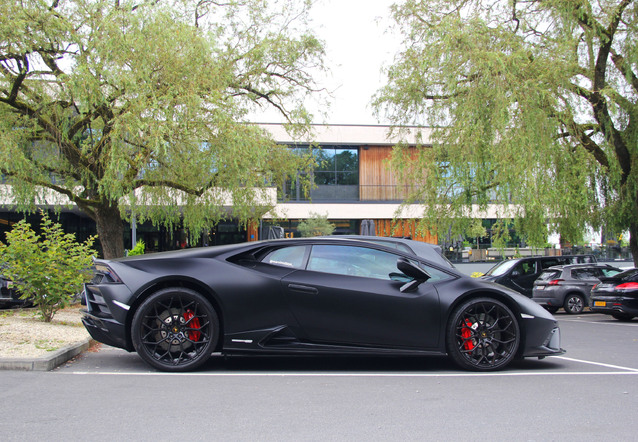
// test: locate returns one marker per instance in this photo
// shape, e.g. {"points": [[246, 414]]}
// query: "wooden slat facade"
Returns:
{"points": [[376, 181], [404, 227]]}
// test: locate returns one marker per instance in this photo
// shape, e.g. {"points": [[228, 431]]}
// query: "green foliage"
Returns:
{"points": [[500, 234], [139, 249], [476, 229], [533, 111], [127, 107], [47, 269], [316, 225]]}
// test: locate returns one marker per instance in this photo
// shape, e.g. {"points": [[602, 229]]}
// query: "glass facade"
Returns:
{"points": [[334, 178], [342, 227]]}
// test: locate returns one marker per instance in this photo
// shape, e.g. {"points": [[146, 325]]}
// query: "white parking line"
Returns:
{"points": [[616, 323], [362, 375], [597, 363]]}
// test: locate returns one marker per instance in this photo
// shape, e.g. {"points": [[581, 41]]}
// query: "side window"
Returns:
{"points": [[525, 268], [584, 274], [547, 263], [286, 257], [352, 260], [435, 274]]}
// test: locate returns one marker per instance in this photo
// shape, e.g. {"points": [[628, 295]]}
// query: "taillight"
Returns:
{"points": [[627, 286], [108, 272], [555, 281]]}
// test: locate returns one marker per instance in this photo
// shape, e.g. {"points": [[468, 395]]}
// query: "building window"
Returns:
{"points": [[335, 176]]}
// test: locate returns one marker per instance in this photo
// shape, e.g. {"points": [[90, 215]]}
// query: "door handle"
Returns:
{"points": [[303, 289]]}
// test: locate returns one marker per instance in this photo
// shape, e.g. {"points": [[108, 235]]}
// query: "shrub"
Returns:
{"points": [[49, 269], [138, 249], [317, 225]]}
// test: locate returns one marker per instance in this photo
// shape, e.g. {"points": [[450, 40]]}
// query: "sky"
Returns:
{"points": [[357, 46]]}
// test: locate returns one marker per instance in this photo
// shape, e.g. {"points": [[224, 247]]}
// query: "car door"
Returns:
{"points": [[522, 277], [346, 296]]}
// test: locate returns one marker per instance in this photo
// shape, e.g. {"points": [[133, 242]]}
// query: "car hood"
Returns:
{"points": [[488, 278]]}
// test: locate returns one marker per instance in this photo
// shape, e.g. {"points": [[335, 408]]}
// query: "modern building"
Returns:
{"points": [[353, 188]]}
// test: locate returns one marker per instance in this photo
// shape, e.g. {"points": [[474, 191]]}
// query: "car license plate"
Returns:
{"points": [[600, 303], [540, 287]]}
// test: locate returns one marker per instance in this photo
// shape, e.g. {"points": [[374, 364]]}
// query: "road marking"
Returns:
{"points": [[597, 363], [357, 375], [617, 323]]}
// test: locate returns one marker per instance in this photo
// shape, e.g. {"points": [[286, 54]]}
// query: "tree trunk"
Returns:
{"points": [[110, 230], [633, 241]]}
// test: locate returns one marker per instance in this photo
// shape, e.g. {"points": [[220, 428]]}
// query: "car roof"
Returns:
{"points": [[580, 266]]}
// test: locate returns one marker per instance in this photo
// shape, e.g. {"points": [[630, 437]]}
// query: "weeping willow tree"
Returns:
{"points": [[534, 106], [137, 107]]}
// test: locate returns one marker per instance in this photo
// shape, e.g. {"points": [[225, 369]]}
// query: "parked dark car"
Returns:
{"points": [[617, 296], [315, 296], [519, 274], [9, 296], [569, 286]]}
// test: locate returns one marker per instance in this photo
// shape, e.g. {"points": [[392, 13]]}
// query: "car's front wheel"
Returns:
{"points": [[482, 334], [175, 329], [574, 304]]}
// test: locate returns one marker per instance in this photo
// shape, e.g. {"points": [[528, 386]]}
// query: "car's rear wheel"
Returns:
{"points": [[574, 304], [175, 329], [622, 317], [482, 334], [551, 308]]}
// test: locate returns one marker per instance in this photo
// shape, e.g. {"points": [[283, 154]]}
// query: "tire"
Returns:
{"points": [[482, 335], [622, 317], [175, 329], [551, 308], [574, 304]]}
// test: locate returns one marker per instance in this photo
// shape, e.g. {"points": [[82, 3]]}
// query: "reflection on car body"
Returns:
{"points": [[311, 296]]}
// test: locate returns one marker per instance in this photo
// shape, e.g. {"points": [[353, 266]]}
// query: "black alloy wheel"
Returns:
{"points": [[574, 304], [175, 329], [483, 334]]}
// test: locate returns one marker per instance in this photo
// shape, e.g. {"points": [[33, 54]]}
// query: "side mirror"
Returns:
{"points": [[418, 275]]}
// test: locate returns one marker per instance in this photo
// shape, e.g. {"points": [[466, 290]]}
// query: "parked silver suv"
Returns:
{"points": [[569, 286]]}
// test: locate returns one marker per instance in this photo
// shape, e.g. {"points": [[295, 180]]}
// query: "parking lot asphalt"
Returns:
{"points": [[590, 393]]}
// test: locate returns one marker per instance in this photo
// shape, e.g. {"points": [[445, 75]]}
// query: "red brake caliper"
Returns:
{"points": [[466, 334], [193, 335]]}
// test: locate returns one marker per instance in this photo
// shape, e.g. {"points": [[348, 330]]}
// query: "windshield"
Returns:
{"points": [[502, 268]]}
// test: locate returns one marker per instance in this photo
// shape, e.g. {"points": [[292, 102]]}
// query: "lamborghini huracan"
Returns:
{"points": [[312, 296]]}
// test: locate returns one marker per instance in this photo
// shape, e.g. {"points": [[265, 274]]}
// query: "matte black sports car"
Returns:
{"points": [[617, 296], [309, 296]]}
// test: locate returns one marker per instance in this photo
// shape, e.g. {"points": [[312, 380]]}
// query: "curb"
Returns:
{"points": [[48, 363]]}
